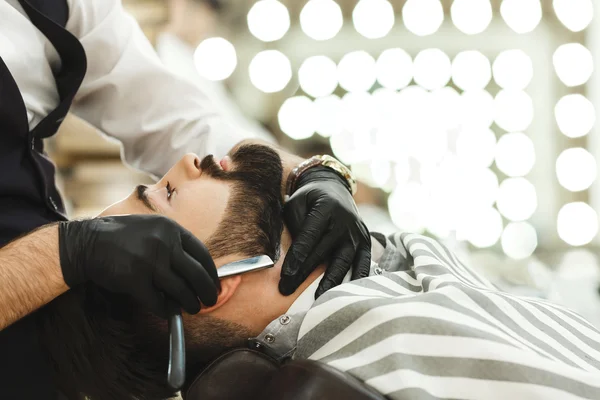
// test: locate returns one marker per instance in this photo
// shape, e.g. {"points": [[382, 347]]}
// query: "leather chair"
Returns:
{"points": [[249, 374]]}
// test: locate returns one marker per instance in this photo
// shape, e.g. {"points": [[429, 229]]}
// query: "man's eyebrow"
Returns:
{"points": [[143, 197]]}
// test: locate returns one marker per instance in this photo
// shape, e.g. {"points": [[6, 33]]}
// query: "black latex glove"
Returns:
{"points": [[325, 226], [149, 257]]}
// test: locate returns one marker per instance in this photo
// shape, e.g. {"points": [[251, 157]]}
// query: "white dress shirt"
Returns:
{"points": [[127, 93]]}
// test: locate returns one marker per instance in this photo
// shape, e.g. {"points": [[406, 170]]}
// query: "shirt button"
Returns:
{"points": [[378, 271], [51, 200], [269, 338], [284, 320], [32, 143]]}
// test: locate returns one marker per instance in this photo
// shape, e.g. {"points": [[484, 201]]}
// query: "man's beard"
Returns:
{"points": [[253, 220]]}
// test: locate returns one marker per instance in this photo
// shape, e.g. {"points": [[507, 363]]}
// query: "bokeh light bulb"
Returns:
{"points": [[576, 169], [373, 18], [268, 20], [407, 206], [423, 17], [513, 69], [471, 70], [575, 115], [215, 59], [573, 64], [270, 71], [476, 109], [522, 16], [513, 110], [476, 146], [328, 115], [577, 223], [296, 117], [471, 16], [483, 227], [318, 76], [519, 240], [432, 68], [515, 154], [394, 69], [517, 199], [357, 71], [321, 19], [576, 15]]}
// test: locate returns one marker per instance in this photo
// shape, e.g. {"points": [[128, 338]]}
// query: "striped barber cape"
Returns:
{"points": [[427, 327]]}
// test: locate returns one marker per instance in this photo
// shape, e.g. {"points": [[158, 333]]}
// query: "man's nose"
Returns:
{"points": [[191, 165]]}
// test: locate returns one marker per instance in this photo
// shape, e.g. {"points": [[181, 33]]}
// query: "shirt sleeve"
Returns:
{"points": [[128, 94]]}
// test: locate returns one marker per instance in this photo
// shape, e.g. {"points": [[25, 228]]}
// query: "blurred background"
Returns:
{"points": [[472, 121]]}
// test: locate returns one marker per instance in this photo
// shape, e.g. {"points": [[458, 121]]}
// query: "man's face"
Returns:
{"points": [[186, 194], [233, 206]]}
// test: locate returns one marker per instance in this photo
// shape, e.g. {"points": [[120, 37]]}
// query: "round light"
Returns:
{"points": [[477, 108], [215, 59], [577, 223], [268, 20], [321, 19], [522, 16], [513, 69], [483, 227], [407, 206], [357, 71], [373, 18], [476, 147], [576, 15], [270, 71], [358, 113], [519, 240], [446, 105], [318, 76], [432, 68], [471, 16], [471, 70], [575, 115], [517, 199], [423, 17], [515, 154], [394, 69], [296, 117], [513, 110], [573, 64], [328, 112], [576, 169]]}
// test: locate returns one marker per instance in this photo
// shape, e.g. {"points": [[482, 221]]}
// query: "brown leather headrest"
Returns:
{"points": [[238, 374], [311, 380]]}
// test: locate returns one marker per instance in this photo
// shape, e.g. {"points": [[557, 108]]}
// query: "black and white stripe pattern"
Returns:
{"points": [[429, 327]]}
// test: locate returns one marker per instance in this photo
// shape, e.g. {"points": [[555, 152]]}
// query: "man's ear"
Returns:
{"points": [[228, 287]]}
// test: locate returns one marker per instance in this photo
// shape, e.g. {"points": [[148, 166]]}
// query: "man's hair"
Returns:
{"points": [[103, 345]]}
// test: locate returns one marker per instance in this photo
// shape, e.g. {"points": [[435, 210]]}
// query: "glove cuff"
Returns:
{"points": [[71, 236]]}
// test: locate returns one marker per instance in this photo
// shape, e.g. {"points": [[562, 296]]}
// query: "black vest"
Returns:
{"points": [[28, 195]]}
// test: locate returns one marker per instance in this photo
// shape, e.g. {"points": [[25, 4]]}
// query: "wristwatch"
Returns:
{"points": [[324, 161]]}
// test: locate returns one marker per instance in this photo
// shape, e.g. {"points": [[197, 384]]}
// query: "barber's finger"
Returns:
{"points": [[196, 276], [313, 228], [339, 266], [176, 289], [198, 251], [362, 262]]}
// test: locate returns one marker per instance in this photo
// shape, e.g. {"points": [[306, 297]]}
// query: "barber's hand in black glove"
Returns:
{"points": [[325, 226], [149, 257]]}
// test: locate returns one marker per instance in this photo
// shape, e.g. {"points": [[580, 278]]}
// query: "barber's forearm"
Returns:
{"points": [[30, 274], [289, 161]]}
